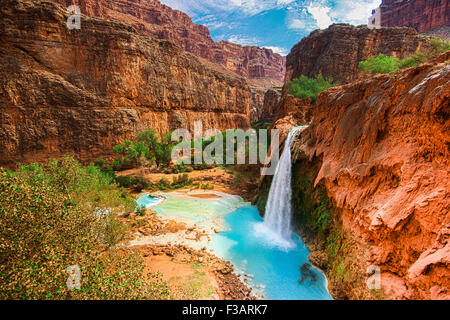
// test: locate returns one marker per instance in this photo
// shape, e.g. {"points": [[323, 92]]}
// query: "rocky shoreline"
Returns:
{"points": [[155, 236], [231, 286]]}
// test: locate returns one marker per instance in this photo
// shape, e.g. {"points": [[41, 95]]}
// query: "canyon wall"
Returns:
{"points": [[150, 17], [377, 157], [422, 15], [82, 91], [336, 52]]}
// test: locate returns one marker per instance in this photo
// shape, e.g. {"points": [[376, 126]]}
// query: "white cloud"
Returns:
{"points": [[244, 40], [320, 14], [296, 24], [354, 12], [279, 50], [246, 7], [323, 11]]}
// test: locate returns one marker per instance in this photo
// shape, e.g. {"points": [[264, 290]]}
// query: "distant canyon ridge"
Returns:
{"points": [[151, 18], [426, 16]]}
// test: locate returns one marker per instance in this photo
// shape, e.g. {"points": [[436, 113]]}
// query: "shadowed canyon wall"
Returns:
{"points": [[378, 149], [152, 18], [336, 52], [82, 91]]}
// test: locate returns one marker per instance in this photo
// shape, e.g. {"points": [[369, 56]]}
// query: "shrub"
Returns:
{"points": [[414, 60], [388, 64], [110, 231], [305, 87], [140, 211], [122, 163], [379, 64], [136, 183], [47, 223], [132, 152], [439, 46], [100, 163]]}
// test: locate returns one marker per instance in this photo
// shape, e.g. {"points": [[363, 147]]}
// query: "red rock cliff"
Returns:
{"points": [[382, 150], [337, 51], [82, 91], [152, 18], [422, 15]]}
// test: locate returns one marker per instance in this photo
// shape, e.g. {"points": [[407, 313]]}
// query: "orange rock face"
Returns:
{"points": [[82, 91], [152, 18], [422, 15], [383, 146], [337, 51]]}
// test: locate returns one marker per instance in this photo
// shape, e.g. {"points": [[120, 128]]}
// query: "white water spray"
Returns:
{"points": [[277, 221]]}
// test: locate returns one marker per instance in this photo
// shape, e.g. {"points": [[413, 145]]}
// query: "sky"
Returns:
{"points": [[274, 24]]}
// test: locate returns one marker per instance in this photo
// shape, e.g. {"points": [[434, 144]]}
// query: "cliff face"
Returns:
{"points": [[381, 150], [422, 15], [152, 18], [337, 51], [82, 91]]}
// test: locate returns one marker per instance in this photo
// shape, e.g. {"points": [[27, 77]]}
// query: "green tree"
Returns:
{"points": [[159, 151]]}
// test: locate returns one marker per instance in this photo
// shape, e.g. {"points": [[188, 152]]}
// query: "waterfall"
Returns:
{"points": [[276, 227]]}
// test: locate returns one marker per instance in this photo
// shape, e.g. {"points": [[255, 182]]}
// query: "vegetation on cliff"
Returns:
{"points": [[305, 87], [389, 64], [332, 249], [61, 215]]}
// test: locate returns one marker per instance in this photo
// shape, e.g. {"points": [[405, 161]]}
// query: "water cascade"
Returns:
{"points": [[277, 221]]}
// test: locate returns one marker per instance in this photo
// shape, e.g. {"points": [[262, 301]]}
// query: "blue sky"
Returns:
{"points": [[275, 24]]}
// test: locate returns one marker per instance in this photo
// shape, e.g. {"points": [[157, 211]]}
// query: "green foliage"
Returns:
{"points": [[163, 150], [314, 216], [159, 151], [305, 87], [416, 59], [315, 210], [438, 46], [110, 231], [181, 181], [48, 223], [388, 64], [379, 64], [206, 186], [178, 182], [261, 124], [140, 211], [123, 163], [137, 184]]}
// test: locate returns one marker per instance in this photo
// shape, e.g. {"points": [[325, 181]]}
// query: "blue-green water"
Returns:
{"points": [[274, 270], [277, 269]]}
